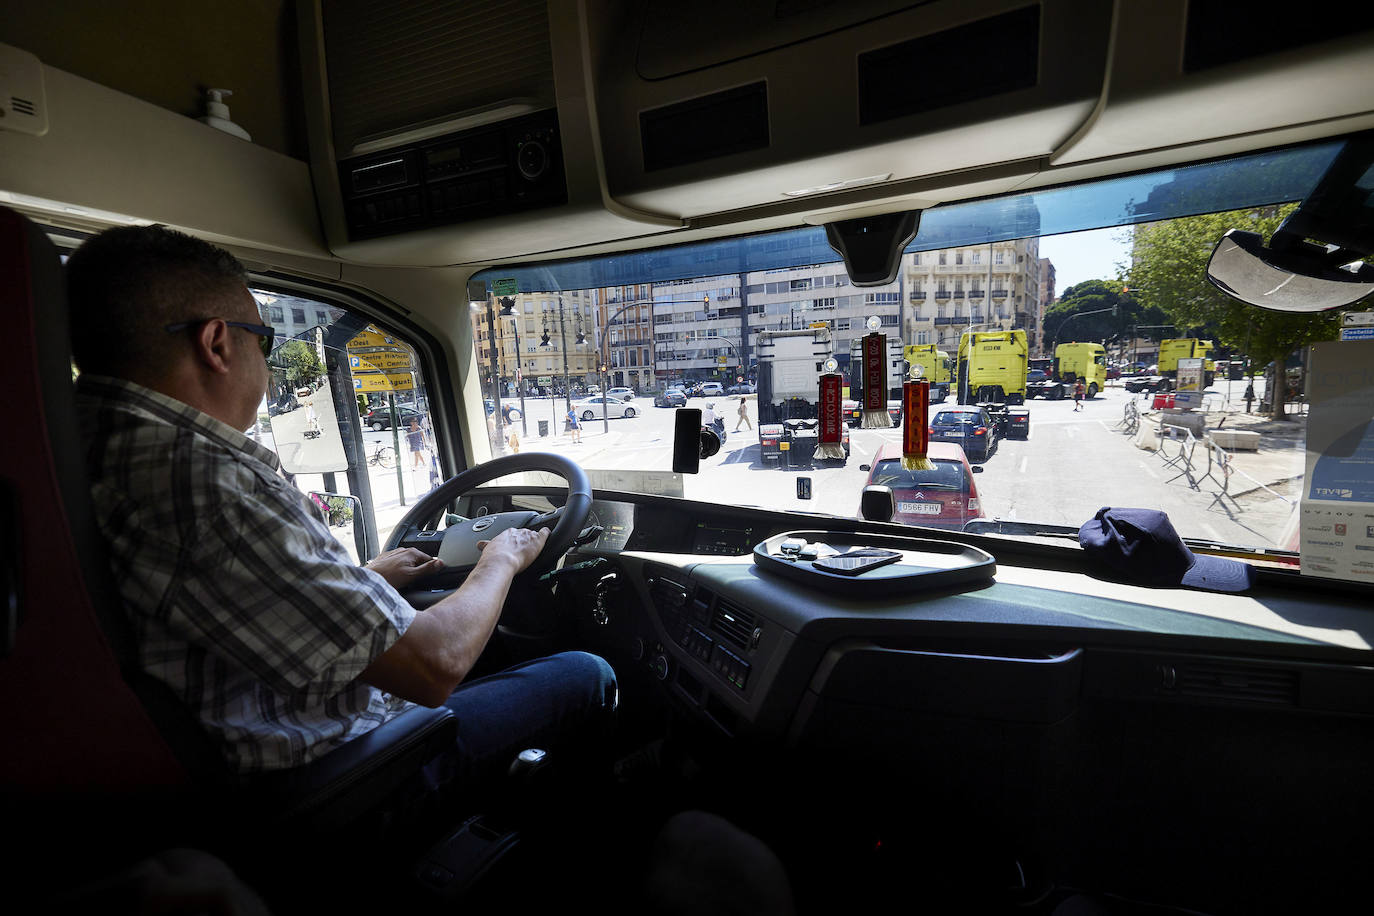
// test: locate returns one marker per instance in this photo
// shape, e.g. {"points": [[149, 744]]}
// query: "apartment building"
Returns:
{"points": [[625, 335], [993, 287], [1047, 294], [541, 338]]}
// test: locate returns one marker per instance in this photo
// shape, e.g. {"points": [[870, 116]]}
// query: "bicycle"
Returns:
{"points": [[385, 456]]}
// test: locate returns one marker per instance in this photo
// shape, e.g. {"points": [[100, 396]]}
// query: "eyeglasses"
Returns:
{"points": [[265, 334]]}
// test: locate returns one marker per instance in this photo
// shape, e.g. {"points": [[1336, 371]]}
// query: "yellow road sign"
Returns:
{"points": [[379, 361], [371, 338], [383, 381]]}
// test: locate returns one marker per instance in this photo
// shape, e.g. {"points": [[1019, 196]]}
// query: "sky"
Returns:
{"points": [[1091, 255]]}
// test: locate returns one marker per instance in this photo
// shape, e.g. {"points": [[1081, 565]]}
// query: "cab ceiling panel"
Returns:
{"points": [[740, 105], [1188, 72], [401, 67], [438, 134]]}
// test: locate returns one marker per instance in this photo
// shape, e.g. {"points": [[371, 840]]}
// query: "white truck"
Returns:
{"points": [[790, 366]]}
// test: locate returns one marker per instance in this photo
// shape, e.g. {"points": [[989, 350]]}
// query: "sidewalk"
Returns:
{"points": [[1277, 465]]}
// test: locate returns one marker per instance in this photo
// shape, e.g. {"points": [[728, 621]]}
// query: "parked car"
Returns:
{"points": [[590, 408], [741, 388], [1036, 375], [624, 394], [970, 427], [1113, 372], [942, 497], [379, 418], [1139, 383], [671, 397], [712, 389]]}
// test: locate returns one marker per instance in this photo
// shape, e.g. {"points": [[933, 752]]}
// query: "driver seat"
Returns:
{"points": [[92, 735]]}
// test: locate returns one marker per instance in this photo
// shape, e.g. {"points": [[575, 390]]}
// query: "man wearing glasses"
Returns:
{"points": [[242, 601]]}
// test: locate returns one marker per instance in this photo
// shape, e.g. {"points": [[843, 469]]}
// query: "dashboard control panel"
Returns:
{"points": [[708, 629]]}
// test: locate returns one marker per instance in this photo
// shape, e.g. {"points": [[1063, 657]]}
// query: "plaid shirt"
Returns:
{"points": [[242, 600]]}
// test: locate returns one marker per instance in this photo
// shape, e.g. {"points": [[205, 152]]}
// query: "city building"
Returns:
{"points": [[1047, 293], [978, 288], [625, 336], [554, 334]]}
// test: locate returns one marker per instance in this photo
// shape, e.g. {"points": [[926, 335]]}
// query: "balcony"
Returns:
{"points": [[943, 294], [956, 320], [1000, 294]]}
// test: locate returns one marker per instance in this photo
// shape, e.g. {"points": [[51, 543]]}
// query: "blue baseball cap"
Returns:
{"points": [[1141, 546]]}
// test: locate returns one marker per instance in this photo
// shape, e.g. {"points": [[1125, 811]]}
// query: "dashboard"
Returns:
{"points": [[678, 593]]}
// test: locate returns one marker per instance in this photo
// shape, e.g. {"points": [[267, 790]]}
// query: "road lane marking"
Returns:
{"points": [[1024, 462]]}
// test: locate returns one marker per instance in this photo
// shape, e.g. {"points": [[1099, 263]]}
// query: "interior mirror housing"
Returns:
{"points": [[871, 246]]}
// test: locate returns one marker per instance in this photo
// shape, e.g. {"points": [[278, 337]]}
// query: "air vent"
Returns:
{"points": [[714, 125], [975, 61], [1219, 35], [1237, 683], [22, 106], [732, 623]]}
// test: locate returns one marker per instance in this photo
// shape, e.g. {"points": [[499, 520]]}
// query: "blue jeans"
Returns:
{"points": [[557, 703]]}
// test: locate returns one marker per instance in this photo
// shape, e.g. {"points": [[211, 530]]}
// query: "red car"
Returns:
{"points": [[945, 497]]}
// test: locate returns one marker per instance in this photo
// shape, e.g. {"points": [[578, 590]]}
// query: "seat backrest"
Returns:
{"points": [[72, 723]]}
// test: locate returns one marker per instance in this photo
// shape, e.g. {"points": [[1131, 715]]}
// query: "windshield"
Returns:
{"points": [[1118, 263]]}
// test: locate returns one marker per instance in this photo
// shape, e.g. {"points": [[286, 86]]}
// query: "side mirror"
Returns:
{"points": [[877, 504], [342, 510], [865, 467], [977, 468]]}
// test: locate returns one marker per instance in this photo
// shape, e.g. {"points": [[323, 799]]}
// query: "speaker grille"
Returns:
{"points": [[397, 65]]}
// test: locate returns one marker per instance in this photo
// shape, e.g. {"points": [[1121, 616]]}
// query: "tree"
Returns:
{"points": [[300, 360], [1170, 270], [1061, 325]]}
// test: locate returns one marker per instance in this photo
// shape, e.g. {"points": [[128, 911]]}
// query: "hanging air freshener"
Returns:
{"points": [[875, 415], [831, 420], [915, 428]]}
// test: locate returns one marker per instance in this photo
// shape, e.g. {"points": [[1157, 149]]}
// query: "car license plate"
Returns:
{"points": [[920, 508]]}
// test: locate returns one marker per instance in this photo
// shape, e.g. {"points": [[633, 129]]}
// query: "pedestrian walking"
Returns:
{"points": [[743, 413], [1078, 395], [416, 439], [574, 427]]}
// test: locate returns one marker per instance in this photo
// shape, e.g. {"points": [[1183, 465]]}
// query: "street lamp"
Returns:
{"points": [[499, 443], [563, 340], [508, 311]]}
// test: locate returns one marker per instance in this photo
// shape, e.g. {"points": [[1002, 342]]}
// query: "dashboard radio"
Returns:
{"points": [[474, 174]]}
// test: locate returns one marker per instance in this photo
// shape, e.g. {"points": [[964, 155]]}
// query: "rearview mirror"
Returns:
{"points": [[1312, 262], [1298, 279], [300, 409]]}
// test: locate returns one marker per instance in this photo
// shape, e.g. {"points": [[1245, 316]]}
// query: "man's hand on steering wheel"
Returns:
{"points": [[403, 565], [518, 546]]}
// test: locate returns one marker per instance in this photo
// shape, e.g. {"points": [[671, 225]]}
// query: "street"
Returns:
{"points": [[1073, 464]]}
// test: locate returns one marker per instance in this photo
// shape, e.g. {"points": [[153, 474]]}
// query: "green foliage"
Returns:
{"points": [[299, 360], [1170, 268], [1106, 327]]}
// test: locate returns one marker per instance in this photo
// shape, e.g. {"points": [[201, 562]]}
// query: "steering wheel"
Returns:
{"points": [[458, 543]]}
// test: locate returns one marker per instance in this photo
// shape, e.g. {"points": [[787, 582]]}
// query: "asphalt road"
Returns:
{"points": [[1073, 464]]}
